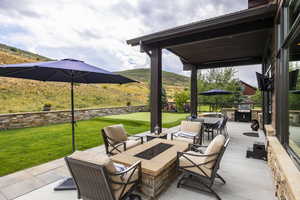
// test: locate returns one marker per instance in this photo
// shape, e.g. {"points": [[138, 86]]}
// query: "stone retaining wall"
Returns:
{"points": [[286, 176], [31, 119]]}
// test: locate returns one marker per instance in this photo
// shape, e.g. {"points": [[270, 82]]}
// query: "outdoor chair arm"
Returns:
{"points": [[136, 165], [195, 147], [194, 164], [120, 144], [125, 183], [192, 137], [138, 138], [196, 155]]}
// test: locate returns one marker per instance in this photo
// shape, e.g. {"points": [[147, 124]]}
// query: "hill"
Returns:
{"points": [[20, 95], [10, 55], [169, 78]]}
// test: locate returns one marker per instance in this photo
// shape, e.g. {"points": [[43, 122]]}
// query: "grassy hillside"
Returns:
{"points": [[20, 95], [169, 78], [20, 54]]}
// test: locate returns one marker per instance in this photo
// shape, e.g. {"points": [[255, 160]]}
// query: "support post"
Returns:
{"points": [[194, 92], [263, 102], [156, 87], [72, 116]]}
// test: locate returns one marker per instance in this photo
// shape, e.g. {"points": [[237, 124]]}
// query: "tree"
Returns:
{"points": [[222, 78], [257, 97], [164, 98], [181, 98]]}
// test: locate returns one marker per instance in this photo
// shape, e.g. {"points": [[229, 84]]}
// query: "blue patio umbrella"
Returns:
{"points": [[66, 70], [215, 92]]}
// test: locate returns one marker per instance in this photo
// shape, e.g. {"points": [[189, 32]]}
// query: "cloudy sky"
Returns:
{"points": [[96, 30]]}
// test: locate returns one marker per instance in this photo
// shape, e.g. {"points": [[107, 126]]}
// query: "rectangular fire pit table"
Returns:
{"points": [[158, 158]]}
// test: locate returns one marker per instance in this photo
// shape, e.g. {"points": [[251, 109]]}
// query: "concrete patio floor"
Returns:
{"points": [[247, 179]]}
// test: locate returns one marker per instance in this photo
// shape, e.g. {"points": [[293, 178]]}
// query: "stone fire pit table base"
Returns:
{"points": [[159, 169]]}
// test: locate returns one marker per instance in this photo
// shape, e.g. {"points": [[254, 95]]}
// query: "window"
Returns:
{"points": [[294, 96], [288, 78], [293, 138]]}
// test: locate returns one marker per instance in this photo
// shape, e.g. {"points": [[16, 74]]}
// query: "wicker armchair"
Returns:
{"points": [[190, 131], [200, 168], [96, 177], [116, 139]]}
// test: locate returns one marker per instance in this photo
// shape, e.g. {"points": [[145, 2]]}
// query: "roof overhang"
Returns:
{"points": [[230, 40]]}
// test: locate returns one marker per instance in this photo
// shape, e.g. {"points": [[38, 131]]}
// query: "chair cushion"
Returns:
{"points": [[134, 177], [186, 134], [183, 162], [95, 158], [129, 144], [214, 147], [190, 126], [116, 132], [132, 143], [188, 140]]}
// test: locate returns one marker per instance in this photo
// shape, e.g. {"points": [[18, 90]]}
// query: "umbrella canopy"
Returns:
{"points": [[295, 92], [215, 92], [66, 70]]}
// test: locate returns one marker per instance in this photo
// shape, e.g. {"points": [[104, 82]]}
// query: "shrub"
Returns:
{"points": [[47, 107], [13, 49], [128, 103]]}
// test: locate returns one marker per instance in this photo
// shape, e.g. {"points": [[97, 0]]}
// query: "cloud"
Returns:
{"points": [[15, 9], [96, 31]]}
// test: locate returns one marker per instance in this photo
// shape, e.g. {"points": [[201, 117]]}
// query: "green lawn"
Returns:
{"points": [[24, 148]]}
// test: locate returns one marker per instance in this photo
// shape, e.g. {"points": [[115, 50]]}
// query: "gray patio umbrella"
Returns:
{"points": [[66, 70]]}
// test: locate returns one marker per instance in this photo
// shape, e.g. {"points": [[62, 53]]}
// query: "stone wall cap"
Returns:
{"points": [[57, 111]]}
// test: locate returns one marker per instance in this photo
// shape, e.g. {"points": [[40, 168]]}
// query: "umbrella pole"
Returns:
{"points": [[73, 118]]}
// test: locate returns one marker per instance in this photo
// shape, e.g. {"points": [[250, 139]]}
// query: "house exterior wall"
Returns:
{"points": [[247, 89], [283, 164]]}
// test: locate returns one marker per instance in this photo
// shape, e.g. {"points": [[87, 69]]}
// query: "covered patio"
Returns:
{"points": [[237, 39]]}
